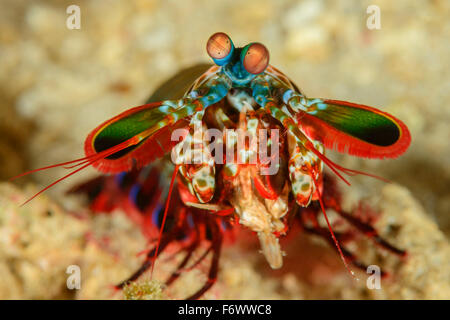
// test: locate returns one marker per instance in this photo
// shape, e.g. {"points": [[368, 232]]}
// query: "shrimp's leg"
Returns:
{"points": [[217, 239], [322, 232], [261, 88], [149, 259], [332, 200], [176, 274]]}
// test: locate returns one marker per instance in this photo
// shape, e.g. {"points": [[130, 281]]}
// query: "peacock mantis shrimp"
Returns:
{"points": [[211, 192]]}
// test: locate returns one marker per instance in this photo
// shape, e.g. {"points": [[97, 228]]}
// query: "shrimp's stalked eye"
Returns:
{"points": [[255, 58], [220, 48]]}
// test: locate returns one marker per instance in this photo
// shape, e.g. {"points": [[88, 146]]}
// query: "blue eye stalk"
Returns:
{"points": [[241, 65], [225, 60]]}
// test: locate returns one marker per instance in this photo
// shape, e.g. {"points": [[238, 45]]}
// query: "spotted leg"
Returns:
{"points": [[262, 94], [216, 89]]}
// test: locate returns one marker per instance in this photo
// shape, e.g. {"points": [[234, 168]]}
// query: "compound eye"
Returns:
{"points": [[255, 58], [219, 47]]}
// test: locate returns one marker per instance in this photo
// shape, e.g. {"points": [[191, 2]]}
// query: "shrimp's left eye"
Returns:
{"points": [[255, 58], [220, 48]]}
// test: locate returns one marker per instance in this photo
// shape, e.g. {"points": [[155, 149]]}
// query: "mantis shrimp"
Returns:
{"points": [[211, 192]]}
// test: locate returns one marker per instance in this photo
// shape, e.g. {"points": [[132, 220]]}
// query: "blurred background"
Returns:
{"points": [[57, 84]]}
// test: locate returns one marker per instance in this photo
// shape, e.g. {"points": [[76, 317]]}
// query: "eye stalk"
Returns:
{"points": [[220, 48], [255, 58]]}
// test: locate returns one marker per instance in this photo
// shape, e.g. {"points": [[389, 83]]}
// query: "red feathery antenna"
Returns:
{"points": [[331, 230], [174, 175]]}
